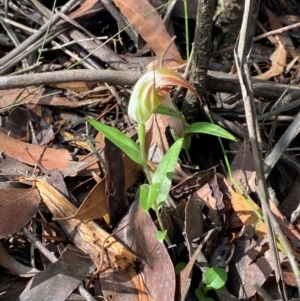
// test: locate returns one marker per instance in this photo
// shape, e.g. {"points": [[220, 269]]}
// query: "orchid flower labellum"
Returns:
{"points": [[148, 92]]}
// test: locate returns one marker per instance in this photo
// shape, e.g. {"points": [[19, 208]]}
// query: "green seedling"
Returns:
{"points": [[214, 279]]}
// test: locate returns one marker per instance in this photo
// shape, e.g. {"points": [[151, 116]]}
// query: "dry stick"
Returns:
{"points": [[262, 36], [33, 47], [89, 63], [216, 81], [109, 76], [282, 144], [5, 62], [83, 292], [241, 52]]}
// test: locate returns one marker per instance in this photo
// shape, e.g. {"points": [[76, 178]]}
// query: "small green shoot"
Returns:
{"points": [[161, 235], [214, 279]]}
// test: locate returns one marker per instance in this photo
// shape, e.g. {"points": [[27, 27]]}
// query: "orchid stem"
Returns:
{"points": [[142, 136], [162, 227]]}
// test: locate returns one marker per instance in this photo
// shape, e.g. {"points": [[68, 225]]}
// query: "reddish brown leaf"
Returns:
{"points": [[29, 154], [17, 207], [137, 230], [9, 97], [147, 22]]}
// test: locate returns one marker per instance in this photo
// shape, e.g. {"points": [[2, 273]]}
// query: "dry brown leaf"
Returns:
{"points": [[254, 265], [246, 213], [85, 5], [283, 37], [124, 285], [157, 124], [19, 96], [94, 206], [278, 59], [17, 207], [87, 236], [138, 231], [147, 22], [29, 154], [243, 170], [184, 276], [77, 87]]}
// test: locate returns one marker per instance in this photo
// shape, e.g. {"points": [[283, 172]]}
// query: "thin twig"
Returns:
{"points": [[241, 53], [262, 36], [83, 292]]}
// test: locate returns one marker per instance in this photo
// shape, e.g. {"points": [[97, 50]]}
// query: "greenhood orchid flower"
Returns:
{"points": [[148, 92]]}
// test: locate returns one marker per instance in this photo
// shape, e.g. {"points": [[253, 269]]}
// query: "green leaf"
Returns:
{"points": [[160, 236], [164, 172], [180, 266], [215, 278], [210, 129], [148, 195], [126, 144], [169, 112]]}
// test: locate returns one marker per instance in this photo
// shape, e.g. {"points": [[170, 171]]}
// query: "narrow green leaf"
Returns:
{"points": [[210, 129], [169, 112], [126, 144], [161, 235], [164, 172], [148, 195], [215, 278]]}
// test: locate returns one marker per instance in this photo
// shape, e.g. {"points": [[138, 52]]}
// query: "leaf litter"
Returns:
{"points": [[78, 194]]}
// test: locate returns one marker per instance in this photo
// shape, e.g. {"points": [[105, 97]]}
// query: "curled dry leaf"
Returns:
{"points": [[94, 206], [278, 59], [20, 203]]}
